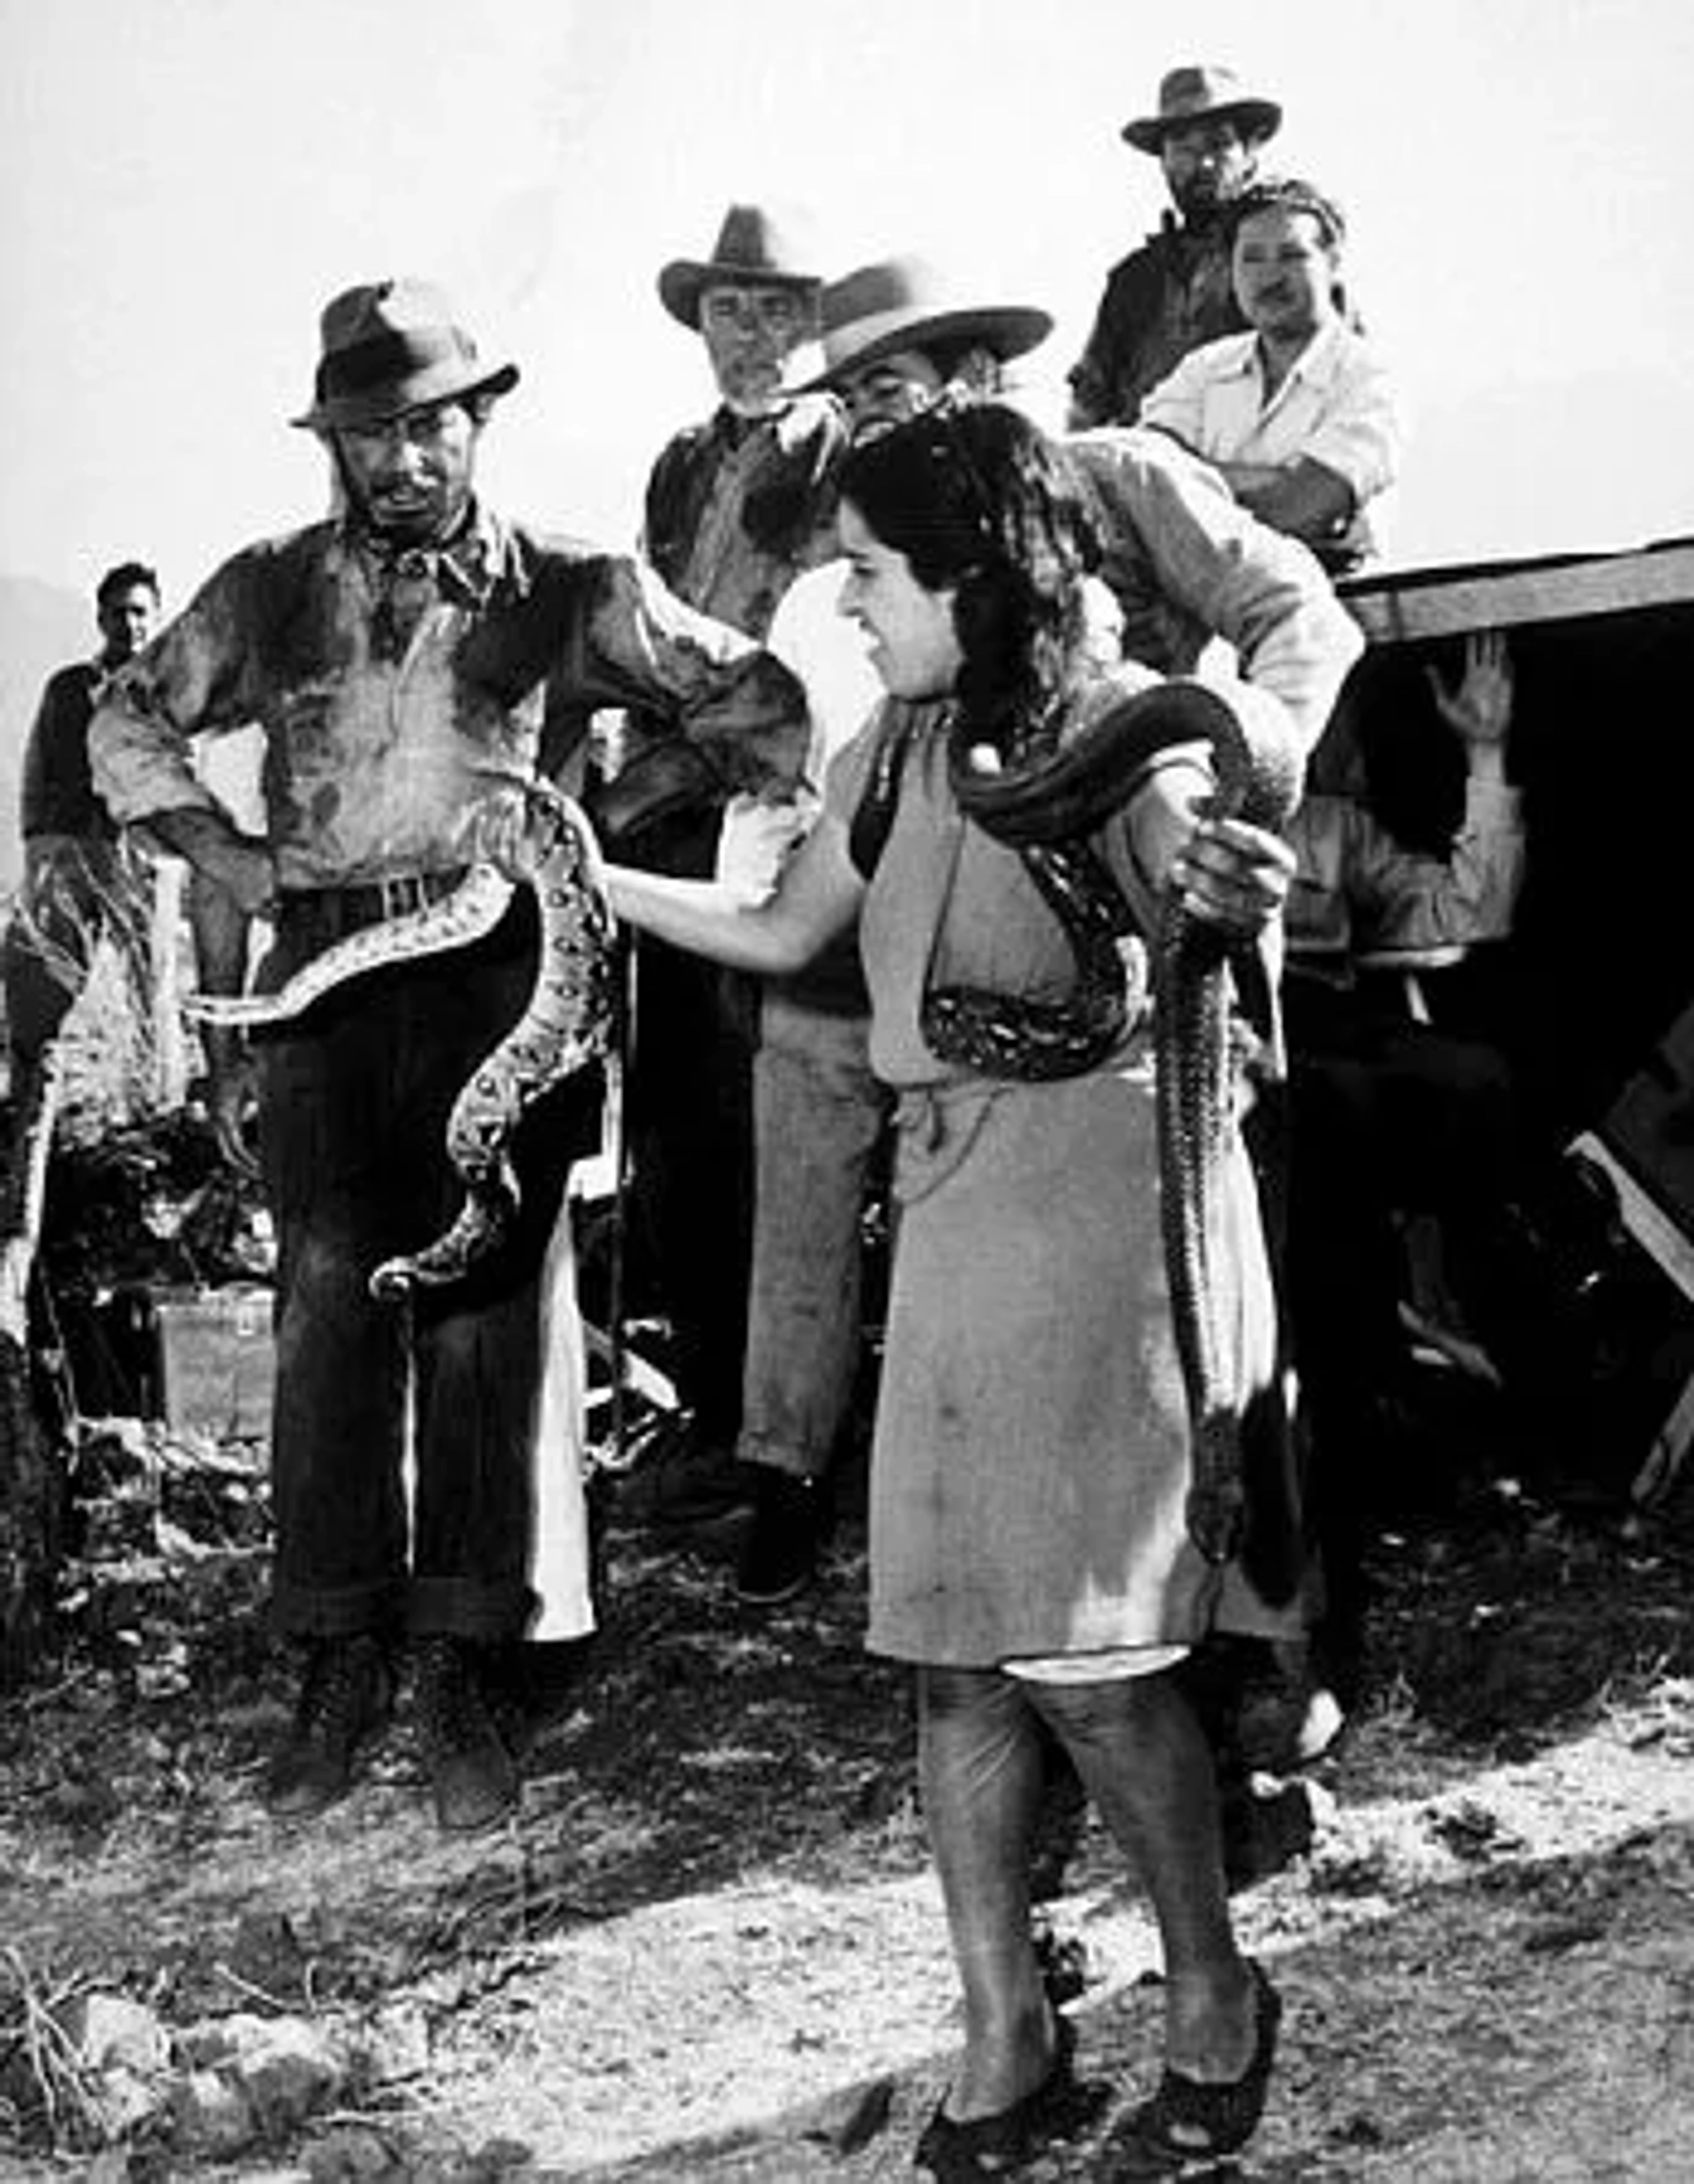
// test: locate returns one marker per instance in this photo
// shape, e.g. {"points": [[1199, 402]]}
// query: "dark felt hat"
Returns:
{"points": [[391, 346]]}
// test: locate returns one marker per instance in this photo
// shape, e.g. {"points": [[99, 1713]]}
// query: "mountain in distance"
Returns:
{"points": [[42, 626]]}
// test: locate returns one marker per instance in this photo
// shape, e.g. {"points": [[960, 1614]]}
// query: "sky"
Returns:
{"points": [[184, 182]]}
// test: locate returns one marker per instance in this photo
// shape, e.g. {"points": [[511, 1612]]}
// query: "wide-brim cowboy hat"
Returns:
{"points": [[757, 243], [1192, 95], [391, 346], [903, 303]]}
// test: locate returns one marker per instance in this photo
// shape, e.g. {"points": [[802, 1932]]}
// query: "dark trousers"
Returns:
{"points": [[353, 1104], [690, 1119], [1388, 1115]]}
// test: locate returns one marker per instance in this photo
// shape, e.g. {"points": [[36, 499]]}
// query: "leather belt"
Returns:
{"points": [[329, 913]]}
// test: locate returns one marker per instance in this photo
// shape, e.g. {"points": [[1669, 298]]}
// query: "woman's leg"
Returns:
{"points": [[1140, 1750], [980, 1751]]}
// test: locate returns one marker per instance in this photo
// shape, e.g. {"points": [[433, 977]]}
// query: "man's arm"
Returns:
{"points": [[816, 898], [186, 684], [220, 928], [1305, 499], [1169, 515], [729, 697], [1093, 378]]}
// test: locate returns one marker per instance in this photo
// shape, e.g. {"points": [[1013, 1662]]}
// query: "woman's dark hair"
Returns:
{"points": [[979, 499]]}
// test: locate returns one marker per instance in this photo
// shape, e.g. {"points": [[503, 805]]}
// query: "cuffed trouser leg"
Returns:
{"points": [[354, 1107]]}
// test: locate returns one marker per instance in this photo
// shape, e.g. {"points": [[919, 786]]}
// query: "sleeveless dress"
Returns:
{"points": [[1030, 1456]]}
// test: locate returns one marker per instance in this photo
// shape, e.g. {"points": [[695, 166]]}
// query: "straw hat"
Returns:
{"points": [[903, 303]]}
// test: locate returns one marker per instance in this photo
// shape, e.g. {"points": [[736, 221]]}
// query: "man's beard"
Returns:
{"points": [[422, 520]]}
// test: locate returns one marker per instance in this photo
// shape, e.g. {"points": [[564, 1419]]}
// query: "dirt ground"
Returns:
{"points": [[709, 1947]]}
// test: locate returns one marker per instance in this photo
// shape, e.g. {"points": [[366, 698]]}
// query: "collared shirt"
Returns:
{"points": [[57, 794], [1357, 888], [738, 506], [1160, 302], [392, 690], [1187, 564], [1334, 406]]}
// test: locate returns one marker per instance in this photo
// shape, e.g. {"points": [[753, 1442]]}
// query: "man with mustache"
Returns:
{"points": [[736, 508], [404, 660], [1175, 292]]}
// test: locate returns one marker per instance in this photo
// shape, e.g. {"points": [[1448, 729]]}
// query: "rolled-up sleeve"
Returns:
{"points": [[1360, 433], [184, 684], [1259, 590], [730, 696], [1420, 901]]}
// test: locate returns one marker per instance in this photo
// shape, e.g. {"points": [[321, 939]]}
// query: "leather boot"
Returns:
{"points": [[779, 1554], [345, 1697], [472, 1774]]}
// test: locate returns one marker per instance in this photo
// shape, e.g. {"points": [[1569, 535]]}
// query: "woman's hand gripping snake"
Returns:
{"points": [[1048, 810], [565, 1024]]}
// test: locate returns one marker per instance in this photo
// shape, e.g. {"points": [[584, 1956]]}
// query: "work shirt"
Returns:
{"points": [[1160, 302], [1334, 406], [58, 795], [737, 507], [393, 689], [1357, 889], [1187, 564]]}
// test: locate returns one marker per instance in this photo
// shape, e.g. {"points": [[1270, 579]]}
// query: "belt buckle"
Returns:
{"points": [[401, 896]]}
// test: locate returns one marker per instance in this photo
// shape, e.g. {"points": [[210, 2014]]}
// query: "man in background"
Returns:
{"points": [[736, 508], [84, 882], [896, 338], [1176, 290], [400, 659]]}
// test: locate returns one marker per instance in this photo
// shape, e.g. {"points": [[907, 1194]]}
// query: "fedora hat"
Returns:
{"points": [[1194, 93], [901, 303], [391, 346], [755, 243]]}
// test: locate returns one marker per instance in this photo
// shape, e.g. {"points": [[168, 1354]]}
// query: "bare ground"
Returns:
{"points": [[708, 1947]]}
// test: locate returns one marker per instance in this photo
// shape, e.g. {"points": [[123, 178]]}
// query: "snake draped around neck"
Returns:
{"points": [[1031, 1459]]}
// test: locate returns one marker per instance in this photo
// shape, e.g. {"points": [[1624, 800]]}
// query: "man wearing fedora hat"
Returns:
{"points": [[896, 336], [1182, 563], [735, 507], [402, 660], [1176, 291]]}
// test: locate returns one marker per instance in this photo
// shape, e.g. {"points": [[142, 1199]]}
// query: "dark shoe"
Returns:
{"points": [[471, 1772], [1060, 2108], [779, 1556], [1188, 2123], [684, 1482], [345, 1694], [533, 1684]]}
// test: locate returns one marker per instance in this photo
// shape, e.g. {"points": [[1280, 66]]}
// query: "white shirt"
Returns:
{"points": [[816, 641], [1334, 408]]}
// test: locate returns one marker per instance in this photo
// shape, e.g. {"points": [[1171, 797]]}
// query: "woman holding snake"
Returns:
{"points": [[1029, 1550]]}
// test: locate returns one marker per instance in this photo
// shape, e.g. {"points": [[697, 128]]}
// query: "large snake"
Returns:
{"points": [[566, 1023], [1046, 809]]}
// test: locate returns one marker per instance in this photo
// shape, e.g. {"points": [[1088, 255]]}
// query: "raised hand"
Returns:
{"points": [[1477, 708]]}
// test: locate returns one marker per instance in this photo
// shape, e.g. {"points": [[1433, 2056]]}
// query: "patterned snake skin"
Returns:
{"points": [[1046, 810], [565, 1024]]}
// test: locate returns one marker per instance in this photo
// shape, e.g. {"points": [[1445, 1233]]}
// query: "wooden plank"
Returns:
{"points": [[1424, 603], [1647, 1222]]}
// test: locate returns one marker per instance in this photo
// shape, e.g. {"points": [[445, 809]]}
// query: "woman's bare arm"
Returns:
{"points": [[817, 897]]}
